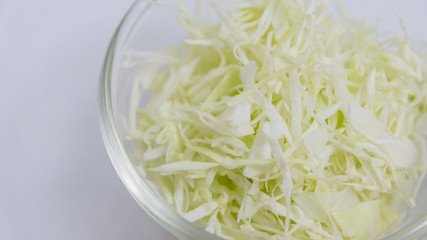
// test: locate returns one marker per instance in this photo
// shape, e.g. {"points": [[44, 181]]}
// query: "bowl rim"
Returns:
{"points": [[140, 191]]}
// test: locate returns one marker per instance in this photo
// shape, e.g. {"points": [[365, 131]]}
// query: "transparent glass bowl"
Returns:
{"points": [[155, 28]]}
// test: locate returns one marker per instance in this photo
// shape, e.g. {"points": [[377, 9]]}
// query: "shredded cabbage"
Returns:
{"points": [[281, 122]]}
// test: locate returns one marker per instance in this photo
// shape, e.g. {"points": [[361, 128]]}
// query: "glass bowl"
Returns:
{"points": [[153, 28]]}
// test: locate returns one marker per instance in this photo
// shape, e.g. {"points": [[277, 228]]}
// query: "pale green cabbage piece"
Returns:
{"points": [[283, 122]]}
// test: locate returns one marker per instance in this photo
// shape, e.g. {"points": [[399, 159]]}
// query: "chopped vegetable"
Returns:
{"points": [[283, 122]]}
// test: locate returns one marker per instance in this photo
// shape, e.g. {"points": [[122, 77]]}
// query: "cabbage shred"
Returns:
{"points": [[282, 122]]}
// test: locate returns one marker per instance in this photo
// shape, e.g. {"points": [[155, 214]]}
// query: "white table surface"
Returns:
{"points": [[56, 180]]}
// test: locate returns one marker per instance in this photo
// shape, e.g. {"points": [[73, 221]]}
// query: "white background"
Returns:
{"points": [[56, 180]]}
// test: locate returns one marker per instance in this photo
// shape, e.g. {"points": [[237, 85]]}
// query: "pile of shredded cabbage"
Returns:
{"points": [[282, 122]]}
